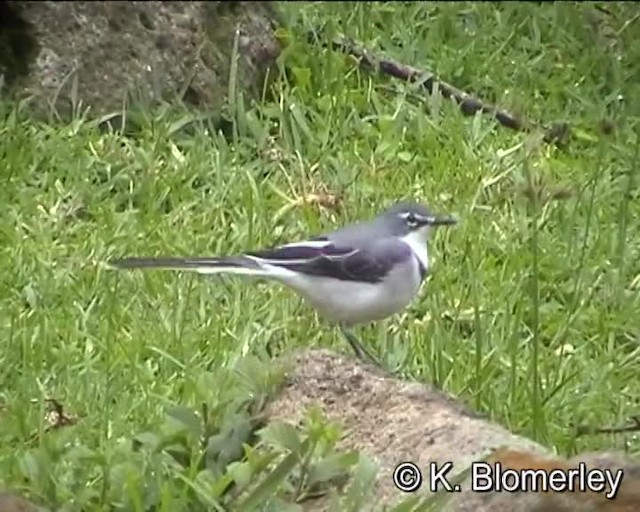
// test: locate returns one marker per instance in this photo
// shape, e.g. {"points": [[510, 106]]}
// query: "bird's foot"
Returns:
{"points": [[361, 352]]}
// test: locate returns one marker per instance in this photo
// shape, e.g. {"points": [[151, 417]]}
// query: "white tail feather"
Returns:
{"points": [[229, 270]]}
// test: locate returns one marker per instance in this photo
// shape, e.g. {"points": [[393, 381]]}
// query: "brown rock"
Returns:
{"points": [[389, 419], [395, 421], [627, 498], [96, 54], [10, 502]]}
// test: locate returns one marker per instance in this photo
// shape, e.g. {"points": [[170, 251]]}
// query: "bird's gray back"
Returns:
{"points": [[388, 224], [359, 235]]}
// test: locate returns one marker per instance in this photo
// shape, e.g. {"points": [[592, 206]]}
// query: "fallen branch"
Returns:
{"points": [[585, 430], [557, 133]]}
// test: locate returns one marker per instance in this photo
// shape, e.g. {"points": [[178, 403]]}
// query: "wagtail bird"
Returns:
{"points": [[358, 274]]}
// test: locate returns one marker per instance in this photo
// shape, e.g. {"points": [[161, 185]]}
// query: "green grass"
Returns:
{"points": [[513, 283]]}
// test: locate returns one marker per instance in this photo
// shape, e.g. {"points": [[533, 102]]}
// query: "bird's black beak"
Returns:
{"points": [[439, 220]]}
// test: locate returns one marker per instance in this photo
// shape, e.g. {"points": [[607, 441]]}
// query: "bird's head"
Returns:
{"points": [[413, 219]]}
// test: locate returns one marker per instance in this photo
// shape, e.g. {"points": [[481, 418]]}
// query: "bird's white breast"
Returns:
{"points": [[351, 302], [417, 240]]}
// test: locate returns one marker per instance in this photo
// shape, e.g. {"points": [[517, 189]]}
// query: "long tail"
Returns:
{"points": [[202, 265]]}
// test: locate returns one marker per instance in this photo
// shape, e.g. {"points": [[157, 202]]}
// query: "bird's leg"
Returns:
{"points": [[361, 352]]}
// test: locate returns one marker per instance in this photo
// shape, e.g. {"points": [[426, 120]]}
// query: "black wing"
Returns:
{"points": [[326, 259]]}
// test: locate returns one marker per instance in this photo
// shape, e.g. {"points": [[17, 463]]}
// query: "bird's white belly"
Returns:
{"points": [[351, 302]]}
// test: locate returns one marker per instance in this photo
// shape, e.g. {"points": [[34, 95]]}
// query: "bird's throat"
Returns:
{"points": [[417, 240]]}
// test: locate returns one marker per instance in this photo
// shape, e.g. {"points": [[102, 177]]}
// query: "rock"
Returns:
{"points": [[97, 54], [395, 421], [626, 499], [10, 502], [391, 420]]}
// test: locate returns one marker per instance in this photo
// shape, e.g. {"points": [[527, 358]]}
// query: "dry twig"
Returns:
{"points": [[557, 133], [584, 430]]}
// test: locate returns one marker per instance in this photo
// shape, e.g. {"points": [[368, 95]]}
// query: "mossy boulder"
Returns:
{"points": [[99, 55]]}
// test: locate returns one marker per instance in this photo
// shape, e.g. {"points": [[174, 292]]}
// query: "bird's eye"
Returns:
{"points": [[411, 220]]}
